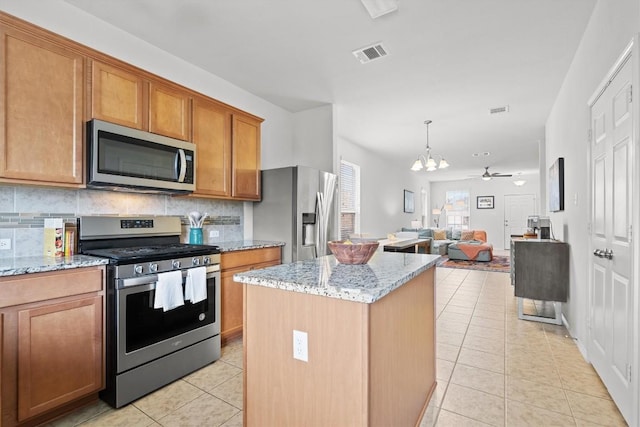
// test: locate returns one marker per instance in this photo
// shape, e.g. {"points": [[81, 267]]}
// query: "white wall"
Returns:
{"points": [[381, 185], [490, 220], [611, 28], [313, 138]]}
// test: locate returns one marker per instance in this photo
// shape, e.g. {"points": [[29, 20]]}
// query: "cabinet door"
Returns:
{"points": [[231, 299], [246, 157], [41, 112], [117, 96], [231, 292], [59, 354], [169, 112], [212, 136]]}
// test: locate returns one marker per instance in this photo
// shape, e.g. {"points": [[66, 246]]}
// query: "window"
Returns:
{"points": [[349, 199], [457, 210]]}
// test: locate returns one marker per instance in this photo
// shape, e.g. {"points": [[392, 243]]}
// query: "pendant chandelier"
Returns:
{"points": [[427, 161]]}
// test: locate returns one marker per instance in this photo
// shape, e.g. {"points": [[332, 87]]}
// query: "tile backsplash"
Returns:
{"points": [[23, 209]]}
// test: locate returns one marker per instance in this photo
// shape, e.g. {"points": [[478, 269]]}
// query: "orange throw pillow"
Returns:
{"points": [[439, 234], [480, 235], [467, 235]]}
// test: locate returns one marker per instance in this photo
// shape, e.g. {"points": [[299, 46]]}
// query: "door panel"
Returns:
{"points": [[611, 308], [620, 325], [598, 330], [599, 201], [621, 183]]}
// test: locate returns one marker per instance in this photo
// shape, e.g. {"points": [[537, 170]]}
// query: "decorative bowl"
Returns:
{"points": [[347, 252]]}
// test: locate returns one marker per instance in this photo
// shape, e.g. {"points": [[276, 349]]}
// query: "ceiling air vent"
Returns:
{"points": [[369, 53], [498, 110]]}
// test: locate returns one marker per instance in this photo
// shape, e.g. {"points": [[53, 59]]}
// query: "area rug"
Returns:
{"points": [[499, 263]]}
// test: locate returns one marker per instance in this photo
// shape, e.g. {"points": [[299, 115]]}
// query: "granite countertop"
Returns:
{"points": [[324, 276], [241, 245], [39, 264]]}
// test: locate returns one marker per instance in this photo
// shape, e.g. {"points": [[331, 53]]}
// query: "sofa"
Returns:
{"points": [[441, 239]]}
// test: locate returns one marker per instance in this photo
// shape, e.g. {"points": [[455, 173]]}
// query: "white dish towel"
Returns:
{"points": [[195, 288], [169, 291]]}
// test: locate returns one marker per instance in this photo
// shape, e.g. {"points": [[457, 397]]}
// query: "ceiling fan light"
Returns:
{"points": [[417, 165], [520, 182], [486, 177], [443, 164]]}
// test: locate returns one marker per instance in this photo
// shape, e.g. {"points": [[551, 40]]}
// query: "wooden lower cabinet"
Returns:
{"points": [[231, 292], [52, 343]]}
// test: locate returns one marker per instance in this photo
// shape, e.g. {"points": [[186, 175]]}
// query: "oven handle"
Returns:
{"points": [[151, 279]]}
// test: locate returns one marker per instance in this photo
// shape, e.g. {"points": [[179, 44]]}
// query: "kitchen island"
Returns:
{"points": [[368, 336]]}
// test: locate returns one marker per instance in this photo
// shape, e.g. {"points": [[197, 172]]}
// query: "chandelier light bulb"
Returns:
{"points": [[427, 161]]}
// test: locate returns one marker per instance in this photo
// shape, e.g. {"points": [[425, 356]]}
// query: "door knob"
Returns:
{"points": [[598, 253], [608, 254]]}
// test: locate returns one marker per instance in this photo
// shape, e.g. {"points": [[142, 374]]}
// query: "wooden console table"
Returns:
{"points": [[409, 246]]}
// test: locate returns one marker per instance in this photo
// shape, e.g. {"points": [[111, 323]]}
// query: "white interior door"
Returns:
{"points": [[517, 207], [611, 308]]}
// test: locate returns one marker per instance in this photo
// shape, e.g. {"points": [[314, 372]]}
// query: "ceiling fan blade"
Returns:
{"points": [[500, 175]]}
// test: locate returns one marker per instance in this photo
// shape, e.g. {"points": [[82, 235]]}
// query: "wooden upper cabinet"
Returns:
{"points": [[118, 96], [212, 136], [169, 111], [124, 96], [41, 110], [246, 157]]}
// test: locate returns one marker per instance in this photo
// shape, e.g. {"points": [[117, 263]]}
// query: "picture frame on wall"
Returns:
{"points": [[409, 204], [556, 185], [485, 202]]}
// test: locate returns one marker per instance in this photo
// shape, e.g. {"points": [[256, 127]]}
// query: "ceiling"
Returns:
{"points": [[448, 61]]}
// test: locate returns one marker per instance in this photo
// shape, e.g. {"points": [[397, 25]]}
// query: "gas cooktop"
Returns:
{"points": [[164, 251]]}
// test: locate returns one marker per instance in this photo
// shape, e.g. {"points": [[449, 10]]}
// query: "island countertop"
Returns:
{"points": [[325, 276]]}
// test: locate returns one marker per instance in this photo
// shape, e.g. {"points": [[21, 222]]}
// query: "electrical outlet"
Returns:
{"points": [[300, 348], [5, 244], [214, 233]]}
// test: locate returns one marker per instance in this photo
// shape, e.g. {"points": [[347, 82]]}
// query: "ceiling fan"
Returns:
{"points": [[487, 175]]}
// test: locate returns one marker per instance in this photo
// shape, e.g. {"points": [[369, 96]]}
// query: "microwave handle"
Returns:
{"points": [[181, 164]]}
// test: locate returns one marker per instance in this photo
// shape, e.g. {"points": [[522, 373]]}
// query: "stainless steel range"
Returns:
{"points": [[150, 344]]}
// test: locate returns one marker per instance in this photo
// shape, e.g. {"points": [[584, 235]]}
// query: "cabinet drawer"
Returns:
{"points": [[238, 259], [36, 287]]}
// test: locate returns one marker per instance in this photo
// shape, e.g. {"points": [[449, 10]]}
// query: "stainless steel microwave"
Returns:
{"points": [[122, 158]]}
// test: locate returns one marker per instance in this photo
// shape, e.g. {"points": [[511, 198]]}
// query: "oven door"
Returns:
{"points": [[145, 334]]}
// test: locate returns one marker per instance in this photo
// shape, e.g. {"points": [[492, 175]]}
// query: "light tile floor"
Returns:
{"points": [[492, 369]]}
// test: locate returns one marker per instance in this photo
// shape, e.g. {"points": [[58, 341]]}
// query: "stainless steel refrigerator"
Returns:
{"points": [[299, 207]]}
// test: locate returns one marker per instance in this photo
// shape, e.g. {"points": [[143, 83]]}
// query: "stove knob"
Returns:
{"points": [[138, 269], [153, 267], [206, 260], [195, 261], [176, 263]]}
